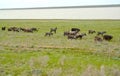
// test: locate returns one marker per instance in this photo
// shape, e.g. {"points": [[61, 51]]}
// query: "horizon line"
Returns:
{"points": [[60, 7]]}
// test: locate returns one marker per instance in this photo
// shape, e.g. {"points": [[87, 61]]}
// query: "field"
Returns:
{"points": [[33, 54]]}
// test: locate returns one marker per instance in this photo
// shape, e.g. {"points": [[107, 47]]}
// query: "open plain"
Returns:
{"points": [[34, 54]]}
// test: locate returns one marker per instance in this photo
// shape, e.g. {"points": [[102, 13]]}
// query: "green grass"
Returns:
{"points": [[18, 63], [32, 54]]}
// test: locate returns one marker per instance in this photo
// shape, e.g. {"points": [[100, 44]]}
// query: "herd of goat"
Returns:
{"points": [[72, 34], [16, 29]]}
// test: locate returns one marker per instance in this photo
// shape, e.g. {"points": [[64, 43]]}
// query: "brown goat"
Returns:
{"points": [[97, 38], [71, 37], [91, 31]]}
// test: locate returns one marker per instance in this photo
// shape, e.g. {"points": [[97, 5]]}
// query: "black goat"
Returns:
{"points": [[75, 29], [34, 29], [48, 33], [3, 28], [66, 33], [53, 30], [80, 35], [101, 33], [107, 37]]}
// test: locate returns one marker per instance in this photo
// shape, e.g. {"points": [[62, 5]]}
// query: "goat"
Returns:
{"points": [[48, 33], [53, 29], [107, 37]]}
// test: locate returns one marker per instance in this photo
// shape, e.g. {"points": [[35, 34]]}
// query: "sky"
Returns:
{"points": [[52, 3]]}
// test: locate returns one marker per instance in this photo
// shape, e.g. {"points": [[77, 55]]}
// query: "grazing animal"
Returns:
{"points": [[3, 28], [91, 31], [22, 29], [15, 29], [34, 29], [73, 32], [97, 38], [28, 30], [80, 35], [66, 33], [48, 33], [107, 37], [70, 33], [53, 29], [75, 29], [101, 33], [9, 29], [71, 37]]}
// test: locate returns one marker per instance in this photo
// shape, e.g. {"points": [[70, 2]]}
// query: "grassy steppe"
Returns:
{"points": [[32, 54]]}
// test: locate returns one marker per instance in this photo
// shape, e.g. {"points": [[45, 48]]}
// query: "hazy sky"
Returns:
{"points": [[52, 3]]}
